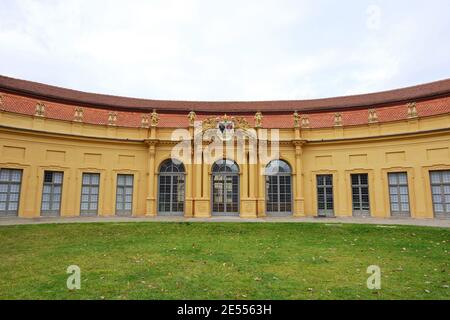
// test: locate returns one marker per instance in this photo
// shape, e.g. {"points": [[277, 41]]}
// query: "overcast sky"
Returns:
{"points": [[228, 49]]}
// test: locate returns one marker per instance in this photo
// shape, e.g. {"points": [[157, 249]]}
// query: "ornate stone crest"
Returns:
{"points": [[225, 130], [225, 126]]}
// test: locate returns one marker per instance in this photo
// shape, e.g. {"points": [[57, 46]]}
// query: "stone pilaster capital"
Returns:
{"points": [[151, 143], [298, 143]]}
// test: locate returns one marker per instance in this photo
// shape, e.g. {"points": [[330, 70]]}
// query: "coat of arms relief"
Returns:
{"points": [[225, 126]]}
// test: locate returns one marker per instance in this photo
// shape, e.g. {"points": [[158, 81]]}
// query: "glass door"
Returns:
{"points": [[225, 195], [51, 194], [10, 183], [398, 194], [124, 194], [360, 194], [325, 203], [440, 188], [89, 194]]}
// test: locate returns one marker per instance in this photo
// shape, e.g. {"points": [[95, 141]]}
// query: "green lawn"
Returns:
{"points": [[223, 261]]}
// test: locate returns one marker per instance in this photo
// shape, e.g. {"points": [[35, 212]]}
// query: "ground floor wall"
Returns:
{"points": [[35, 153], [416, 156]]}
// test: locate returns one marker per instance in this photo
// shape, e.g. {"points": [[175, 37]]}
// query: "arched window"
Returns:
{"points": [[278, 188], [225, 166], [225, 188], [171, 188]]}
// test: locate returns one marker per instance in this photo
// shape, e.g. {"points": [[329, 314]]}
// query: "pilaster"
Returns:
{"points": [[248, 201], [299, 199], [260, 183], [202, 204], [151, 209]]}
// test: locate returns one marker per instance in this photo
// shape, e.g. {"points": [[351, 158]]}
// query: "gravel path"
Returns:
{"points": [[442, 223]]}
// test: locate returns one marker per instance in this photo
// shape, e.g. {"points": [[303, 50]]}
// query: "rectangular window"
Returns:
{"points": [[360, 194], [89, 194], [440, 188], [124, 194], [325, 203], [51, 193], [398, 194], [10, 183]]}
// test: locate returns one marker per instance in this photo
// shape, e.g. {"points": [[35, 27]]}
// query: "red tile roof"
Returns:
{"points": [[25, 104], [73, 97]]}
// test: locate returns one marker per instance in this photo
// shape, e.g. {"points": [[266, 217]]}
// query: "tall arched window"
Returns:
{"points": [[225, 188], [278, 188], [171, 188]]}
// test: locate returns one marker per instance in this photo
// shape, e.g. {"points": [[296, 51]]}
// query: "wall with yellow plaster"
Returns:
{"points": [[36, 144]]}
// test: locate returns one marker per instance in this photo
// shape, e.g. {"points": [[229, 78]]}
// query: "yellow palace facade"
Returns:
{"points": [[69, 153]]}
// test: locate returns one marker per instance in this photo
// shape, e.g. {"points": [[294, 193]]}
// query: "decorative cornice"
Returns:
{"points": [[171, 142], [437, 132], [151, 142], [299, 143]]}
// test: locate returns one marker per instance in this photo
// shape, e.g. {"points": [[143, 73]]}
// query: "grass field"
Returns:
{"points": [[223, 261]]}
